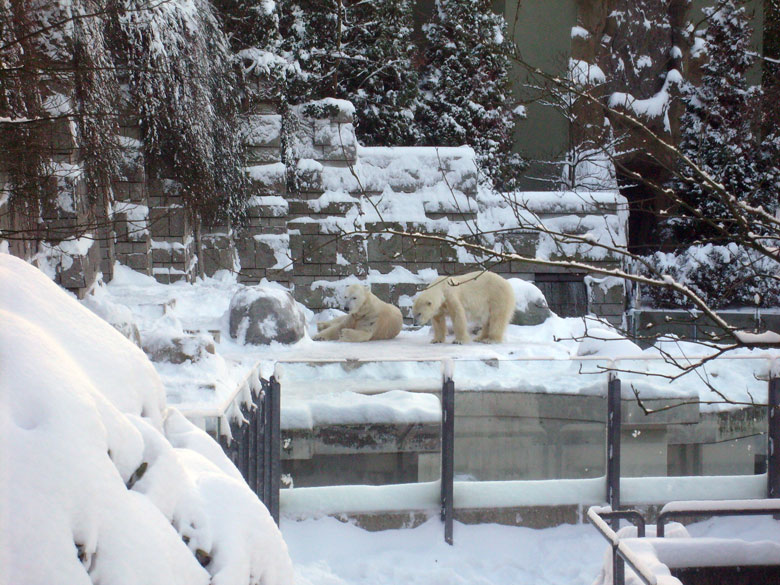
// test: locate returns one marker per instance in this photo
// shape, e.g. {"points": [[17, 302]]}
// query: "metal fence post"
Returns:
{"points": [[613, 442], [259, 432], [773, 457], [272, 448], [613, 466], [447, 453]]}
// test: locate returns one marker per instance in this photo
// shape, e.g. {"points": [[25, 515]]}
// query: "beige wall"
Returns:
{"points": [[541, 31]]}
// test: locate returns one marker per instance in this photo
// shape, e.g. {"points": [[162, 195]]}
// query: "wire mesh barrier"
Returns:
{"points": [[517, 434]]}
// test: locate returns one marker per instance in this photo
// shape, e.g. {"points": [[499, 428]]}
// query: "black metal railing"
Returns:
{"points": [[447, 455], [255, 439], [253, 443], [621, 552], [712, 509]]}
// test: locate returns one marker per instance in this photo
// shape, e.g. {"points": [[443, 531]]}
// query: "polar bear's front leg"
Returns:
{"points": [[439, 323], [459, 323], [336, 322], [330, 333], [355, 335]]}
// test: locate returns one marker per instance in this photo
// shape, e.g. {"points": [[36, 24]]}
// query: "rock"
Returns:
{"points": [[177, 349], [262, 314], [530, 305]]}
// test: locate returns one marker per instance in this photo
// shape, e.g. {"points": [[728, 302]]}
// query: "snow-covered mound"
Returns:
{"points": [[101, 482]]}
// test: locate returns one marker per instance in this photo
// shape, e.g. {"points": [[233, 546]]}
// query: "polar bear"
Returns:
{"points": [[482, 297], [368, 318]]}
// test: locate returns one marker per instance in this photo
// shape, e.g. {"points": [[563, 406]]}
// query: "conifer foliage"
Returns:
{"points": [[722, 134], [721, 128], [359, 50], [465, 93]]}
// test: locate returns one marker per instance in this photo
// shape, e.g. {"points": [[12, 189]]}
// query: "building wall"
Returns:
{"points": [[541, 30]]}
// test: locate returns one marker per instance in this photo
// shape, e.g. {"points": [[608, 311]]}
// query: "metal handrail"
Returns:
{"points": [[619, 548], [715, 508]]}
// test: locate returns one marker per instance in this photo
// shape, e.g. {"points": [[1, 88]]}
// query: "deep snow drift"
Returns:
{"points": [[101, 482]]}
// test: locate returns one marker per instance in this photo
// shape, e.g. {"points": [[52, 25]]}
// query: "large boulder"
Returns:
{"points": [[262, 314], [530, 305]]}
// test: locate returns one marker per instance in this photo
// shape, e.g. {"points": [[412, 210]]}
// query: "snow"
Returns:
{"points": [[545, 358], [526, 293], [327, 551], [656, 106], [579, 32], [585, 74], [102, 481], [393, 407], [489, 554]]}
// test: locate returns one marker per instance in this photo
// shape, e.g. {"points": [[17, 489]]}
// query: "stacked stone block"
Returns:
{"points": [[328, 224], [132, 243], [172, 234]]}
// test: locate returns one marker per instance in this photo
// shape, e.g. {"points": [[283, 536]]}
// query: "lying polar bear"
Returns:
{"points": [[368, 318], [480, 297]]}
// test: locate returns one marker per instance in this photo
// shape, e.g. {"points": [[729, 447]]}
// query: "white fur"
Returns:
{"points": [[368, 318], [481, 297]]}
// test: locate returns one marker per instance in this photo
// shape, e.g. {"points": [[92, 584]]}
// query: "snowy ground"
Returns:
{"points": [[164, 311], [328, 552]]}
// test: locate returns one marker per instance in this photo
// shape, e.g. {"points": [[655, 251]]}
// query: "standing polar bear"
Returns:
{"points": [[368, 318], [480, 297]]}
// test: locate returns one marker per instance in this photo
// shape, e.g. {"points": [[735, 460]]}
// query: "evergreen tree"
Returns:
{"points": [[465, 87], [358, 50], [376, 72], [720, 130], [721, 133]]}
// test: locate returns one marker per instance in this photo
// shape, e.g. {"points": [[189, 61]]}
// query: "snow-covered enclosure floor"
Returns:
{"points": [[162, 312], [328, 552]]}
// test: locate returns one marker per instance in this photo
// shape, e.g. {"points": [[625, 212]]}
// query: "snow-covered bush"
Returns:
{"points": [[722, 276], [101, 482]]}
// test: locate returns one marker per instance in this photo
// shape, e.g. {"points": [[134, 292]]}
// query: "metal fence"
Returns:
{"points": [[254, 443], [622, 553]]}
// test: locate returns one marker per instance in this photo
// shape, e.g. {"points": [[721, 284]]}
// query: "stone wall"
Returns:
{"points": [[328, 221]]}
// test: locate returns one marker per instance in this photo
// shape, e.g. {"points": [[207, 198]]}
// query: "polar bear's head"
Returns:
{"points": [[355, 296], [427, 304]]}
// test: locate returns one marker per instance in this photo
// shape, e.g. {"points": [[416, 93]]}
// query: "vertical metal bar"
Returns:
{"points": [[274, 435], [243, 448], [251, 472], [259, 444], [447, 455], [773, 457], [614, 420], [266, 497], [613, 444]]}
